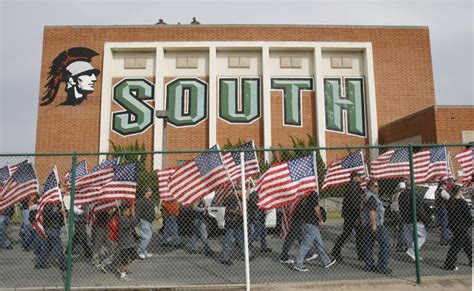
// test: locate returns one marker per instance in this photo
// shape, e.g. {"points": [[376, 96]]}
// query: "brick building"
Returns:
{"points": [[346, 85]]}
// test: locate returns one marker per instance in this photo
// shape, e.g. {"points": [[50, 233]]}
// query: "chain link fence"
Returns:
{"points": [[95, 220]]}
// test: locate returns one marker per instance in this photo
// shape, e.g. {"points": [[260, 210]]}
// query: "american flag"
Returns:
{"points": [[232, 162], [14, 167], [122, 186], [94, 179], [466, 161], [163, 180], [285, 182], [22, 184], [105, 164], [339, 172], [392, 164], [4, 174], [81, 170], [198, 177], [51, 195], [438, 167], [287, 215]]}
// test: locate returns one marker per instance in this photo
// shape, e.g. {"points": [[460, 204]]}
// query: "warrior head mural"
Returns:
{"points": [[73, 67]]}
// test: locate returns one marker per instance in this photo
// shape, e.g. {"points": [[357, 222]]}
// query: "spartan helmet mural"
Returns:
{"points": [[73, 67]]}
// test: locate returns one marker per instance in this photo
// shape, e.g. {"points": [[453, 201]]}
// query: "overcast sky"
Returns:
{"points": [[450, 23]]}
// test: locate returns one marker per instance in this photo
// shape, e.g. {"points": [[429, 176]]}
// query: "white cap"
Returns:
{"points": [[402, 185]]}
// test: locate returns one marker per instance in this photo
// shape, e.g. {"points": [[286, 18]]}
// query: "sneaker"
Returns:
{"points": [[287, 261], [124, 277], [148, 255], [330, 264], [313, 257], [410, 253], [301, 269], [453, 268], [385, 271], [141, 256], [226, 262], [102, 268]]}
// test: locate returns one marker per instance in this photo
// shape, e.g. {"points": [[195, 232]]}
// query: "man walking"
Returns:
{"points": [[372, 218], [351, 207], [146, 216], [311, 220]]}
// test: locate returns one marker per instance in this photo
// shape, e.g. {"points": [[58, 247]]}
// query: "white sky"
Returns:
{"points": [[450, 23]]}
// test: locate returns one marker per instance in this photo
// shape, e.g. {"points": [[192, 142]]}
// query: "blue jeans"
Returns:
{"points": [[146, 233], [25, 232], [52, 243], [401, 244], [171, 229], [293, 234], [383, 239], [200, 231], [4, 240], [258, 230], [311, 236], [37, 245], [228, 242], [443, 223]]}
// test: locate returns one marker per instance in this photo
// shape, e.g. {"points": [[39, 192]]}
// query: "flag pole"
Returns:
{"points": [[244, 210], [228, 176], [55, 170]]}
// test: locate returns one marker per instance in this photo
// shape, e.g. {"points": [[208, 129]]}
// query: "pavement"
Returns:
{"points": [[176, 269]]}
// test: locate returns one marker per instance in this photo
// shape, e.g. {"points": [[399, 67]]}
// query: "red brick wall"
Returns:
{"points": [[422, 123], [402, 67]]}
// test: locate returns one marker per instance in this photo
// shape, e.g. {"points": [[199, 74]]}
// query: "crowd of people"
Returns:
{"points": [[121, 235]]}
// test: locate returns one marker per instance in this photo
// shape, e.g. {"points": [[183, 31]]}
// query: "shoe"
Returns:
{"points": [[148, 255], [385, 271], [369, 269], [313, 257], [103, 269], [301, 269], [411, 254], [287, 261], [453, 268], [124, 277], [141, 256], [267, 250], [330, 264], [226, 262]]}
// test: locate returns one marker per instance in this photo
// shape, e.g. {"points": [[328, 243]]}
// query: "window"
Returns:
{"points": [[186, 63], [135, 63], [290, 63], [341, 63], [239, 62]]}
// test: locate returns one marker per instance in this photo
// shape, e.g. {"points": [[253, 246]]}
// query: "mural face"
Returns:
{"points": [[186, 102], [292, 94], [132, 95], [352, 102], [239, 106], [72, 67]]}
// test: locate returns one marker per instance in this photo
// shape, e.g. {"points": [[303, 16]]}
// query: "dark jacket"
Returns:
{"points": [[405, 208], [127, 233], [459, 215], [146, 209], [232, 209], [351, 205], [254, 213], [53, 218]]}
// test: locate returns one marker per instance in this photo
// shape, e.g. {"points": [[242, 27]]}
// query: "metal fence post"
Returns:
{"points": [[413, 212], [244, 210], [70, 231]]}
